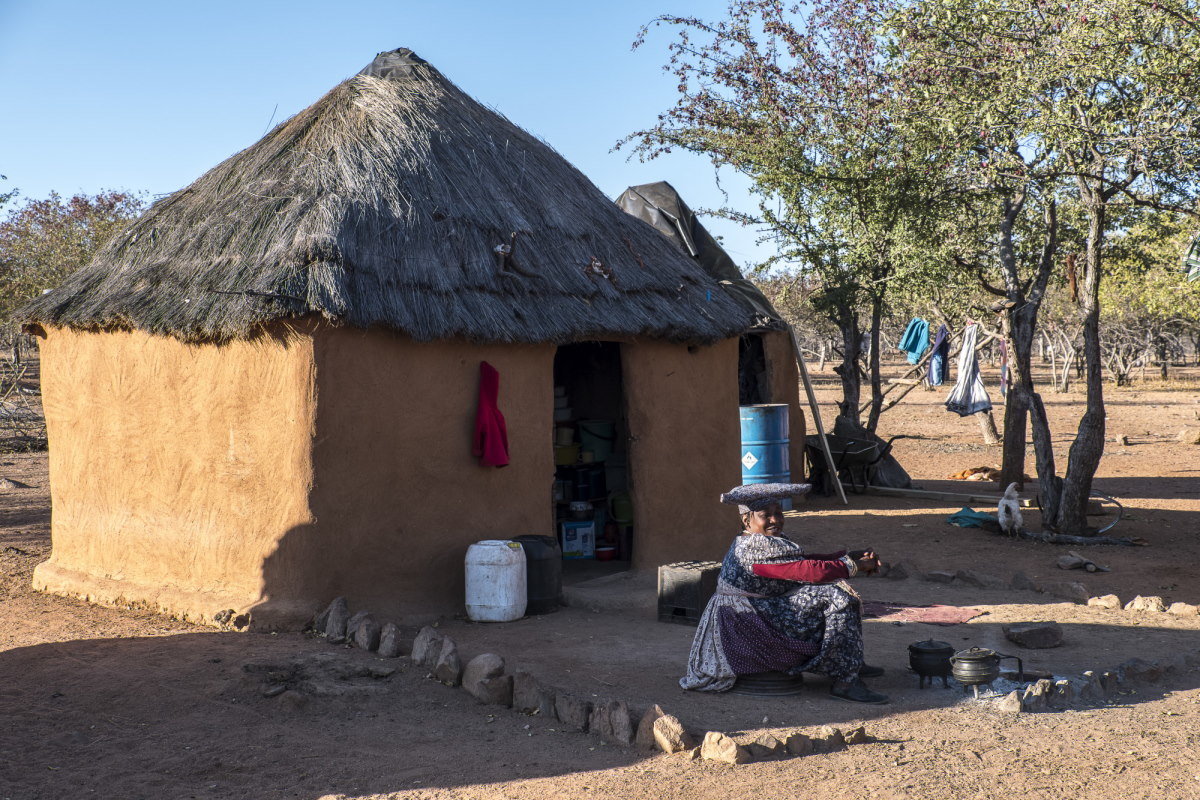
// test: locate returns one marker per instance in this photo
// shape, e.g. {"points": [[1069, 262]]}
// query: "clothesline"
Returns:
{"points": [[989, 336]]}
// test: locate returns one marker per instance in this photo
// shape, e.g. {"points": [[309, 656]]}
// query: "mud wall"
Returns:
{"points": [[684, 438], [397, 494], [786, 388], [174, 468]]}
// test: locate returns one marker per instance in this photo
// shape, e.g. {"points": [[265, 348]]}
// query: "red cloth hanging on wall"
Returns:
{"points": [[491, 434]]}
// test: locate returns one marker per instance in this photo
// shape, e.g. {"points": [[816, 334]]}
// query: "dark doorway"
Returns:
{"points": [[592, 507]]}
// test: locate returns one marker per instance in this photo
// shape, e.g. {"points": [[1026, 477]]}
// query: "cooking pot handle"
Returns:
{"points": [[1020, 666]]}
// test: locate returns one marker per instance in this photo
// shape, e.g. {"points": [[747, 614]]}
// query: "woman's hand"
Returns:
{"points": [[866, 560]]}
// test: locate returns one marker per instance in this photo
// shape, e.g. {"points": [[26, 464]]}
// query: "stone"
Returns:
{"points": [[765, 747], [1109, 601], [389, 640], [355, 621], [1062, 694], [1070, 562], [572, 711], [320, 621], [1068, 590], [939, 576], [692, 754], [335, 621], [484, 678], [610, 721], [1010, 703], [1138, 669], [644, 738], [1149, 603], [1034, 635], [449, 667], [426, 647], [1022, 582], [1090, 689], [1111, 680], [798, 744], [9, 483], [669, 735], [856, 735], [719, 747], [972, 578], [366, 633], [1183, 609], [828, 739], [1189, 436], [530, 697], [1037, 695], [620, 724], [900, 571]]}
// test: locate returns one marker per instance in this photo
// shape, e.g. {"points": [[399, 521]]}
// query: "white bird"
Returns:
{"points": [[1009, 511]]}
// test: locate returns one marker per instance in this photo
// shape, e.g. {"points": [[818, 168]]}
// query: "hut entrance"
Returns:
{"points": [[754, 383], [592, 510]]}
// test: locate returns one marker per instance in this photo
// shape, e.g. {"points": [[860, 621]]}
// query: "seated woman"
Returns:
{"points": [[777, 609]]}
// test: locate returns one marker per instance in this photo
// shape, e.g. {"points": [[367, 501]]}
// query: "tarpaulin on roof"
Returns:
{"points": [[661, 206], [1191, 259]]}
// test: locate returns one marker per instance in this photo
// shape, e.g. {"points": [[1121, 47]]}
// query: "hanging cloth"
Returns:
{"points": [[491, 434], [1003, 368], [939, 363], [968, 395], [915, 340]]}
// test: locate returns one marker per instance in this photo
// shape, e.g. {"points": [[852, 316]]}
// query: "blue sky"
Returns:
{"points": [[146, 96]]}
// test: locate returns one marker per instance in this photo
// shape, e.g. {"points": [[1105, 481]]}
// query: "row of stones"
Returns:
{"points": [[485, 678], [1067, 590], [1095, 686]]}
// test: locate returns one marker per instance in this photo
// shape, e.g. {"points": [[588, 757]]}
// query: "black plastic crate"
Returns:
{"points": [[684, 589]]}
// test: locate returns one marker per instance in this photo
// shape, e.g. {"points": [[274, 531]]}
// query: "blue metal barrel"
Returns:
{"points": [[765, 444]]}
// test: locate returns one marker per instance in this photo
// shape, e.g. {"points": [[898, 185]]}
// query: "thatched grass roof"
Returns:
{"points": [[383, 204]]}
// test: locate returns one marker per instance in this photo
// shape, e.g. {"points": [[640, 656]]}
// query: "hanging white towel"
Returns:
{"points": [[968, 395]]}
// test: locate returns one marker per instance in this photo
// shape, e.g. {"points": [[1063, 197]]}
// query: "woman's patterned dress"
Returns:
{"points": [[754, 624]]}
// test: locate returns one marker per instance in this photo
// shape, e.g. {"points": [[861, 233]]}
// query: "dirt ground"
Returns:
{"points": [[122, 704]]}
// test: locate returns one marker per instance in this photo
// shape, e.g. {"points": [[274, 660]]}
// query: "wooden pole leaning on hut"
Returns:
{"points": [[816, 413]]}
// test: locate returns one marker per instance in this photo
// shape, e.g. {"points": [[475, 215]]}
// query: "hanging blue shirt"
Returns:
{"points": [[915, 339]]}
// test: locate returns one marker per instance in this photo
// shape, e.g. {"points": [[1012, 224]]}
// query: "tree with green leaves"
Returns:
{"points": [[44, 241], [1096, 104], [801, 104]]}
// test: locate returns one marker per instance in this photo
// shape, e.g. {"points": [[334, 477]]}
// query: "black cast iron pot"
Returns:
{"points": [[979, 666], [930, 659]]}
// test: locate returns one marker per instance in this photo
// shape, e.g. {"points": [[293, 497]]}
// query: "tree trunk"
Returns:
{"points": [[846, 320], [1088, 447], [876, 376], [987, 426]]}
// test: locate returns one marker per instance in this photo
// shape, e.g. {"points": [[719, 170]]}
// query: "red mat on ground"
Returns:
{"points": [[903, 612]]}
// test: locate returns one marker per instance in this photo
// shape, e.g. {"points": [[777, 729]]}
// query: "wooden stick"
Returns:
{"points": [[816, 413]]}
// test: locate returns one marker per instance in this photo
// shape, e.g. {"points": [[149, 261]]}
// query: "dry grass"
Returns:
{"points": [[383, 204]]}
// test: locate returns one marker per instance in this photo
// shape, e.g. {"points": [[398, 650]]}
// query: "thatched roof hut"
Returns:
{"points": [[383, 204], [262, 394]]}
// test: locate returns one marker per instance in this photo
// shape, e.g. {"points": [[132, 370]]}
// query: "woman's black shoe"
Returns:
{"points": [[868, 671], [856, 692]]}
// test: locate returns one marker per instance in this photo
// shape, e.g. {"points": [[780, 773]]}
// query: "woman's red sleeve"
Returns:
{"points": [[810, 570]]}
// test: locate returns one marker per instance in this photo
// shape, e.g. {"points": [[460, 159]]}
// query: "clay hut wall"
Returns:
{"points": [[684, 440], [397, 494], [173, 466]]}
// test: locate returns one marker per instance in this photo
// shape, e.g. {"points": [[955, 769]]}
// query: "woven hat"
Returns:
{"points": [[758, 496]]}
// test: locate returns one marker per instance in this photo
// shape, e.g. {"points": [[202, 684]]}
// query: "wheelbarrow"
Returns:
{"points": [[854, 461]]}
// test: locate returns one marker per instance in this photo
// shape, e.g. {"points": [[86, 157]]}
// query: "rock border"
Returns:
{"points": [[612, 720]]}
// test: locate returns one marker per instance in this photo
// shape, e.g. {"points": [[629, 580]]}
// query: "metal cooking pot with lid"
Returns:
{"points": [[930, 659], [979, 665]]}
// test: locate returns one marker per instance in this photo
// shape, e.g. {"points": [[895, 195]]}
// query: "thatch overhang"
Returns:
{"points": [[389, 203]]}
